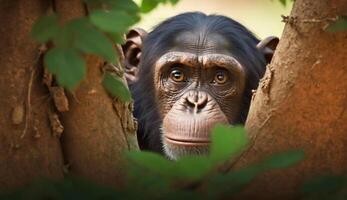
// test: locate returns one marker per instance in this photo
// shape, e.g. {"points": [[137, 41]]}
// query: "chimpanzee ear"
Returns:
{"points": [[132, 53], [267, 46]]}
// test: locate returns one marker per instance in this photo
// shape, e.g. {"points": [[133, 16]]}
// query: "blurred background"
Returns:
{"points": [[262, 17]]}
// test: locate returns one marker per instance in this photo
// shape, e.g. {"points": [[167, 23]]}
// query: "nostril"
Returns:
{"points": [[202, 101], [197, 100], [190, 103]]}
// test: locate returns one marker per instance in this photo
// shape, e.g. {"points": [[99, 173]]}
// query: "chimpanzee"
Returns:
{"points": [[191, 72]]}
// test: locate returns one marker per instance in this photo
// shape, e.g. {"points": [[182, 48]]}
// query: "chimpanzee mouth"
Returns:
{"points": [[187, 142]]}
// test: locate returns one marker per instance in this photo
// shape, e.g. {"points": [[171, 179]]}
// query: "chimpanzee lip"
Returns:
{"points": [[187, 142]]}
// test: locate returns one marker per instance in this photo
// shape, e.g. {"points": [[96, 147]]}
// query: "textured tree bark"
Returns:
{"points": [[43, 133], [28, 149], [95, 135], [301, 102]]}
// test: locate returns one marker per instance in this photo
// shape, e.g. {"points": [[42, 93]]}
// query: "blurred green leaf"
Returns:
{"points": [[152, 161], [116, 87], [65, 38], [80, 34], [324, 184], [90, 40], [283, 2], [148, 5], [193, 167], [117, 38], [128, 6], [232, 182], [284, 159], [45, 28], [67, 65], [227, 142], [121, 5], [339, 25], [113, 21], [174, 2]]}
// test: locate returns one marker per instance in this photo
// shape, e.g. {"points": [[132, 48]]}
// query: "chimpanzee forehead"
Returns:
{"points": [[201, 42], [193, 60]]}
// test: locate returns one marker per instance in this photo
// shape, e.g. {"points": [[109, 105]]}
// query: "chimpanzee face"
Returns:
{"points": [[196, 77], [194, 81]]}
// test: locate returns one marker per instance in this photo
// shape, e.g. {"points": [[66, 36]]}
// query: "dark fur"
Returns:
{"points": [[159, 41]]}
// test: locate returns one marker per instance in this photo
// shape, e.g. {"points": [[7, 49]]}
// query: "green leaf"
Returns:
{"points": [[67, 65], [128, 6], [227, 142], [148, 5], [324, 184], [283, 2], [116, 87], [232, 182], [283, 160], [152, 161], [117, 38], [174, 2], [90, 40], [113, 21], [339, 25], [193, 167], [45, 28]]}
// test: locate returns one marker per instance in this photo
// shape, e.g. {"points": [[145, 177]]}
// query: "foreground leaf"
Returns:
{"points": [[283, 160], [89, 40], [116, 87], [339, 25], [148, 5], [113, 21], [193, 167], [222, 185], [227, 142], [152, 161], [324, 184], [45, 28], [67, 65]]}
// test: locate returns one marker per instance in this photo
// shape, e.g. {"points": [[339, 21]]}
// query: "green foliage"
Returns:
{"points": [[113, 21], [69, 189], [227, 142], [151, 176], [339, 25], [284, 2], [95, 34], [325, 187], [45, 28], [67, 65], [91, 41], [283, 160], [149, 5], [116, 87], [200, 171]]}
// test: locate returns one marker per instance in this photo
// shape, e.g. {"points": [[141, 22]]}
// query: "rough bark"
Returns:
{"points": [[94, 138], [301, 102], [49, 132], [28, 149]]}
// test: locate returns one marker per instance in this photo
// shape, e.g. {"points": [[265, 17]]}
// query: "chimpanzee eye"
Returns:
{"points": [[220, 77], [177, 75]]}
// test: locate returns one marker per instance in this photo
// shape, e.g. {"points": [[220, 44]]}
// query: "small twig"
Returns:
{"points": [[28, 110], [42, 49]]}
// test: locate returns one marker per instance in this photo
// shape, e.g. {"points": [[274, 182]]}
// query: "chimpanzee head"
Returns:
{"points": [[190, 73]]}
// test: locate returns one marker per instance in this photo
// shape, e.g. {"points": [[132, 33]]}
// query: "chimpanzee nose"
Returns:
{"points": [[196, 100]]}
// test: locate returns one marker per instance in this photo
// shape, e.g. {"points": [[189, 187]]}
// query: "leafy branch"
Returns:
{"points": [[152, 176], [95, 34]]}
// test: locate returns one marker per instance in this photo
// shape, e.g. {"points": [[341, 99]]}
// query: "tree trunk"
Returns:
{"points": [[301, 102], [94, 128], [28, 148]]}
